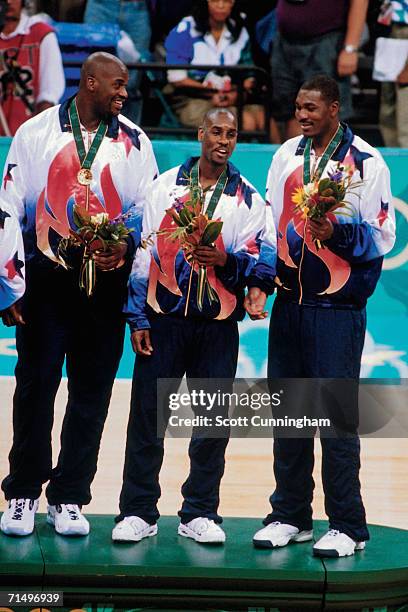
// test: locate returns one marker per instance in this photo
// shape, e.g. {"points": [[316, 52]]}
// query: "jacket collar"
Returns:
{"points": [[341, 150], [113, 124], [183, 175]]}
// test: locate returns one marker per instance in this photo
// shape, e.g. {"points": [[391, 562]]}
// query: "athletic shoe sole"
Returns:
{"points": [[332, 553]]}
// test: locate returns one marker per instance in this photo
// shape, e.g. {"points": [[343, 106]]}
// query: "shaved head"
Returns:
{"points": [[211, 116], [102, 88], [99, 63]]}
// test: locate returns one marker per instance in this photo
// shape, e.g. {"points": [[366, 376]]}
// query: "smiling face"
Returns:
{"points": [[315, 114], [108, 88], [218, 137]]}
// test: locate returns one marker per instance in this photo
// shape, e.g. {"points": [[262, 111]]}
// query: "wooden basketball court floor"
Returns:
{"points": [[248, 479]]}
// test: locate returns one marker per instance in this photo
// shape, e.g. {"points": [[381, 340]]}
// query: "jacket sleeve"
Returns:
{"points": [[12, 284], [264, 272], [179, 50], [15, 180], [52, 79], [12, 216], [135, 307], [372, 235], [146, 159], [250, 259]]}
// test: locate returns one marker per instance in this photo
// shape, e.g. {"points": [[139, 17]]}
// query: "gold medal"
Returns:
{"points": [[84, 177]]}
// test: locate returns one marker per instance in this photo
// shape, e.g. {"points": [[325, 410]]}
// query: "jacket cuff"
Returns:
{"points": [[229, 271], [132, 246], [267, 286], [136, 324]]}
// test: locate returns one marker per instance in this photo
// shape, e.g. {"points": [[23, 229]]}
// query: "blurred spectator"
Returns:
{"points": [[165, 15], [213, 34], [62, 10], [394, 96], [314, 36], [31, 72], [132, 16]]}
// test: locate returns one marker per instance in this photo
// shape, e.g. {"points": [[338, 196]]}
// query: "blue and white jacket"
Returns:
{"points": [[40, 179], [345, 272], [186, 45], [160, 275]]}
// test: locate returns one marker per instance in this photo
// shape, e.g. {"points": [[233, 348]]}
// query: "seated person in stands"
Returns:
{"points": [[31, 72], [213, 34]]}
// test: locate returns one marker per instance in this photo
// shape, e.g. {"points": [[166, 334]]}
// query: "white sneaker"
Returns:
{"points": [[202, 530], [18, 519], [279, 534], [334, 543], [133, 529], [67, 520]]}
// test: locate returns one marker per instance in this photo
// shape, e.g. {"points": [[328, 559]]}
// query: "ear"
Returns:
{"points": [[334, 108], [91, 83], [200, 134]]}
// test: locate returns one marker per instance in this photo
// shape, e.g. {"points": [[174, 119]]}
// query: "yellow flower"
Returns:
{"points": [[298, 196]]}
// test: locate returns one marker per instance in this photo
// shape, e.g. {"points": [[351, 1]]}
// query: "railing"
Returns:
{"points": [[239, 72]]}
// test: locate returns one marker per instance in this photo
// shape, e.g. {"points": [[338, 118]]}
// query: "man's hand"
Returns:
{"points": [[254, 303], [320, 229], [112, 258], [12, 315], [347, 63], [141, 343], [210, 256]]}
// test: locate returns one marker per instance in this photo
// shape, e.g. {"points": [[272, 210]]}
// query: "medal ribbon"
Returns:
{"points": [[328, 152], [86, 159], [218, 191]]}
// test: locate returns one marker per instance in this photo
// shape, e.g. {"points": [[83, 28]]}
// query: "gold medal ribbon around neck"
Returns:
{"points": [[327, 154], [84, 175]]}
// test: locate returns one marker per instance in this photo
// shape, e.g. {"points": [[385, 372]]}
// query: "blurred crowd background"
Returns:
{"points": [[271, 45]]}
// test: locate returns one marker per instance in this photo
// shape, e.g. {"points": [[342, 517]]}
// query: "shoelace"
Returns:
{"points": [[18, 510], [333, 533], [73, 511]]}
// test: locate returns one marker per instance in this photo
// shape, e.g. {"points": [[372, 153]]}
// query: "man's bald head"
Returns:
{"points": [[215, 114], [98, 64], [102, 89]]}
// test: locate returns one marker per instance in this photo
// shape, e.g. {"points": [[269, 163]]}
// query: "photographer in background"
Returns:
{"points": [[31, 71]]}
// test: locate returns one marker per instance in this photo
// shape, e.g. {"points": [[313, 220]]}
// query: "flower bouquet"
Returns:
{"points": [[194, 229], [94, 233], [318, 198]]}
